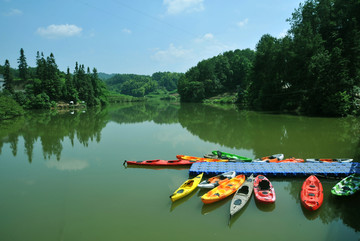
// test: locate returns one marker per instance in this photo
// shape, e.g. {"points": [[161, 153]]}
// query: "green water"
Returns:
{"points": [[62, 178]]}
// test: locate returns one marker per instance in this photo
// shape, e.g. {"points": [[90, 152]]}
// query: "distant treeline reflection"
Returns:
{"points": [[50, 128], [227, 126]]}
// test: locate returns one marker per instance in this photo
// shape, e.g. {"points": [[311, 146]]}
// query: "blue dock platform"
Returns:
{"points": [[335, 169]]}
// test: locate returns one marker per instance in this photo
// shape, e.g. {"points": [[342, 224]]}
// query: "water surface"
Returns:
{"points": [[62, 175]]}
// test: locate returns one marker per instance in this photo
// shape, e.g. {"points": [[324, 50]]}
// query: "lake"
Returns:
{"points": [[62, 175]]}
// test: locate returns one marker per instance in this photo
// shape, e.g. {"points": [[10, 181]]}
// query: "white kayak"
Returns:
{"points": [[242, 195], [213, 182]]}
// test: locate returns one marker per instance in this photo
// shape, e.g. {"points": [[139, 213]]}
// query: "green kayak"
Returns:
{"points": [[347, 186], [224, 155]]}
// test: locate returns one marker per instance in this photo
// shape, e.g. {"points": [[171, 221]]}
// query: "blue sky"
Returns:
{"points": [[137, 36]]}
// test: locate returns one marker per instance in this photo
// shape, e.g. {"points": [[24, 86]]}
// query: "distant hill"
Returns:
{"points": [[104, 76]]}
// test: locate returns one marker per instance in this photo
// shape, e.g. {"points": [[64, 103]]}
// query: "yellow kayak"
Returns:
{"points": [[224, 190], [186, 188], [200, 159]]}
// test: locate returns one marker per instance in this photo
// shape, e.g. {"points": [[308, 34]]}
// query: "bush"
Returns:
{"points": [[9, 108]]}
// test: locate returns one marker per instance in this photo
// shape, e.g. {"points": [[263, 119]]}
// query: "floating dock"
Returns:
{"points": [[334, 169]]}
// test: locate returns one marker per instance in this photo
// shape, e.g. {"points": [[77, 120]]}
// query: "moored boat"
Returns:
{"points": [[225, 155], [224, 190], [199, 159], [264, 190], [312, 193], [215, 181], [293, 160], [159, 162], [347, 186], [242, 195], [274, 157], [329, 160], [186, 188]]}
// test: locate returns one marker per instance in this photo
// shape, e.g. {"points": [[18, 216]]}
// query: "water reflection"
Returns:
{"points": [[159, 112], [333, 207], [265, 134], [182, 200], [208, 208], [50, 128], [227, 126], [265, 207]]}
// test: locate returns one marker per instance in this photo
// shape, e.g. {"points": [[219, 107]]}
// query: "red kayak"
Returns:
{"points": [[312, 193], [161, 162], [264, 190]]}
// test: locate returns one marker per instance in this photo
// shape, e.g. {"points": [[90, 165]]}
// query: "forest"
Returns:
{"points": [[313, 70], [141, 85], [45, 85]]}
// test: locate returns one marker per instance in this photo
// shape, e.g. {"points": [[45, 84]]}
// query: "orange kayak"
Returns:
{"points": [[199, 159], [293, 159], [224, 190]]}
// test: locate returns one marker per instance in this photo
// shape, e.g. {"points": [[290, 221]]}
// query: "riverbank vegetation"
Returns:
{"points": [[314, 69], [158, 85]]}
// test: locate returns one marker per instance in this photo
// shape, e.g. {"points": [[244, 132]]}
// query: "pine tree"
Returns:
{"points": [[22, 66], [8, 77]]}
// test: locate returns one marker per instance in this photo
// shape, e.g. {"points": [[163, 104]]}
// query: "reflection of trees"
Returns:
{"points": [[161, 112], [51, 129], [333, 207], [304, 137]]}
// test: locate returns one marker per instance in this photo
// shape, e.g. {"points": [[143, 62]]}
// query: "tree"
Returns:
{"points": [[22, 66], [8, 85]]}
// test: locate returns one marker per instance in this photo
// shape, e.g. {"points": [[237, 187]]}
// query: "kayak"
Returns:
{"points": [[186, 188], [264, 190], [225, 155], [159, 162], [293, 159], [347, 186], [199, 159], [216, 180], [224, 190], [275, 157], [312, 193], [329, 160], [242, 195]]}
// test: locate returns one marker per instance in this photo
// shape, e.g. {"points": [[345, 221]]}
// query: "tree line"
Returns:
{"points": [[141, 85], [314, 69], [45, 84]]}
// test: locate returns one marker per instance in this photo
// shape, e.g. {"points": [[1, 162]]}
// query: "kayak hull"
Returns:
{"points": [[264, 190], [199, 159], [242, 195], [311, 194], [186, 188], [217, 180], [347, 186], [159, 162], [329, 160], [224, 190]]}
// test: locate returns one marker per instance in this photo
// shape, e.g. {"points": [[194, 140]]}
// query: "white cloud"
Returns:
{"points": [[58, 31], [187, 6], [13, 12], [243, 23], [68, 164], [127, 31], [172, 54], [206, 37]]}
